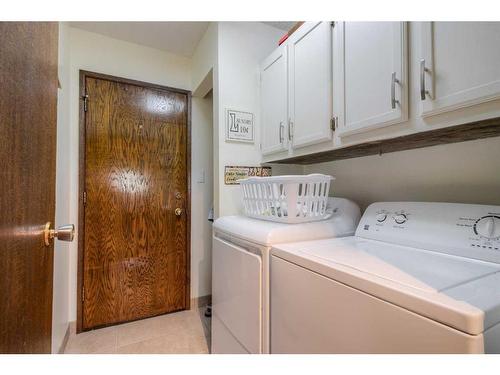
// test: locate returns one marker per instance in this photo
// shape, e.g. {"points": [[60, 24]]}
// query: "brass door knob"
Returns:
{"points": [[63, 233], [178, 211]]}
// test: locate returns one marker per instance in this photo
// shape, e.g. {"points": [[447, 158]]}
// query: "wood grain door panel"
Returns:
{"points": [[135, 247], [28, 118]]}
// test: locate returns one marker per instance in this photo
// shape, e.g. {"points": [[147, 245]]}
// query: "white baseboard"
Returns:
{"points": [[66, 338], [201, 301]]}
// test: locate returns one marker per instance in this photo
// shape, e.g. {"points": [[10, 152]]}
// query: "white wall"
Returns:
{"points": [[233, 52], [466, 172], [60, 305], [242, 46], [227, 58], [201, 196], [205, 68], [97, 53], [205, 56]]}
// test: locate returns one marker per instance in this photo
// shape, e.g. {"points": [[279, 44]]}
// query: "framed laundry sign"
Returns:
{"points": [[233, 174], [239, 126]]}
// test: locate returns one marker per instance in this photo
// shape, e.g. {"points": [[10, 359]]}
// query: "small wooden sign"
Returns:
{"points": [[233, 174], [239, 126]]}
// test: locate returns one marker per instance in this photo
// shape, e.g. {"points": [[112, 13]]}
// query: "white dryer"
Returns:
{"points": [[240, 272], [415, 278]]}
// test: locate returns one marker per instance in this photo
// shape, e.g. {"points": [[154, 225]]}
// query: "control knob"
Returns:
{"points": [[381, 217], [400, 219], [488, 226]]}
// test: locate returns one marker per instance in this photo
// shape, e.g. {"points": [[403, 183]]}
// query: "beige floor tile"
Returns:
{"points": [[181, 332], [169, 324], [106, 350], [98, 340], [199, 345], [170, 344], [144, 330]]}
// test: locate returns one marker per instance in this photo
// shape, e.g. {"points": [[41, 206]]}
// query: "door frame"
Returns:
{"points": [[81, 183]]}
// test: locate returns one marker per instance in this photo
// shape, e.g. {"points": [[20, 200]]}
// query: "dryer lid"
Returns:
{"points": [[342, 223], [459, 292]]}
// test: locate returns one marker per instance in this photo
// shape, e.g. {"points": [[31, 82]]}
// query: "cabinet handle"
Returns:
{"points": [[423, 91], [281, 132], [290, 130], [394, 80]]}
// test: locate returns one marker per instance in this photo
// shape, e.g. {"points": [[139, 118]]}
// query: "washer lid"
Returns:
{"points": [[342, 223], [456, 291]]}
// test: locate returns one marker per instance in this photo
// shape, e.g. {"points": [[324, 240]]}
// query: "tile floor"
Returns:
{"points": [[184, 332]]}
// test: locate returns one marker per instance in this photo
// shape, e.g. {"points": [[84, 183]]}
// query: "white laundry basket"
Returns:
{"points": [[287, 199]]}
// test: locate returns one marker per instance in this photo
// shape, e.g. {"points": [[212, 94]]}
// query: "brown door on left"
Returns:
{"points": [[28, 100]]}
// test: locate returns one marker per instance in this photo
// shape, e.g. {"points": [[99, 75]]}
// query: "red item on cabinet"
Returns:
{"points": [[282, 39]]}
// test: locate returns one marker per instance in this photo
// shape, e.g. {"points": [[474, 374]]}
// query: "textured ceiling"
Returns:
{"points": [[180, 38]]}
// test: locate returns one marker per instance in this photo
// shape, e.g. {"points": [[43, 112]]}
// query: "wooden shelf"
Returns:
{"points": [[452, 134]]}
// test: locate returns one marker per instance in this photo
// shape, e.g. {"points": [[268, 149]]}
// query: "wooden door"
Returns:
{"points": [[135, 244], [370, 75], [459, 65], [310, 83], [28, 102], [274, 95]]}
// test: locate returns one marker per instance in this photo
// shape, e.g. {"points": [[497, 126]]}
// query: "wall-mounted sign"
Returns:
{"points": [[239, 126], [233, 174]]}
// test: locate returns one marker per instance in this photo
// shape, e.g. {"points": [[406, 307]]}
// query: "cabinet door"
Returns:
{"points": [[274, 93], [370, 75], [459, 65], [310, 83]]}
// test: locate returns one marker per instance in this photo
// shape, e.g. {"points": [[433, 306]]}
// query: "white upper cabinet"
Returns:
{"points": [[274, 94], [459, 65], [310, 84], [357, 74], [370, 75]]}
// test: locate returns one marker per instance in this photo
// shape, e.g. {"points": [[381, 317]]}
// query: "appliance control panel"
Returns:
{"points": [[466, 230]]}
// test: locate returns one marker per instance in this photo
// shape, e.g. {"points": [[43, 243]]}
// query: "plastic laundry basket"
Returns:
{"points": [[287, 199]]}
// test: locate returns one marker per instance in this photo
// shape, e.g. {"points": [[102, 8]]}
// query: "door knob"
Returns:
{"points": [[63, 233], [178, 211]]}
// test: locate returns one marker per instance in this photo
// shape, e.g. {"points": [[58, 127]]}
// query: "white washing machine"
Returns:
{"points": [[240, 272], [415, 278]]}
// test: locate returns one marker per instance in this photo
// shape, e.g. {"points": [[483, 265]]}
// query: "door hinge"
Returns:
{"points": [[334, 123], [83, 294], [84, 198], [85, 99], [332, 23]]}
